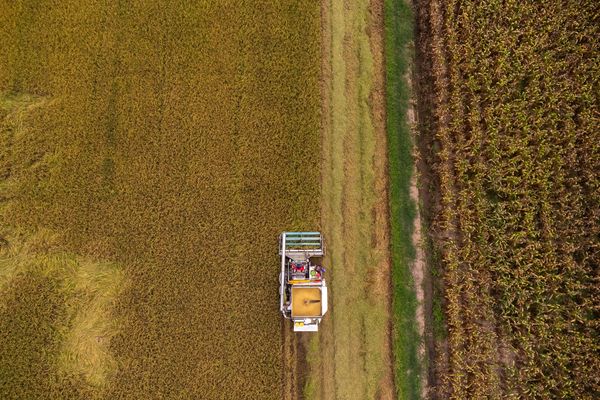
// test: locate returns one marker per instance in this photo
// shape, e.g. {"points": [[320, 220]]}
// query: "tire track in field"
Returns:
{"points": [[290, 388]]}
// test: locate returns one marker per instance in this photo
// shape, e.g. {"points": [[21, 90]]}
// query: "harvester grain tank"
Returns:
{"points": [[303, 290]]}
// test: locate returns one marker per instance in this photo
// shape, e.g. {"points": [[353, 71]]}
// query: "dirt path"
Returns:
{"points": [[429, 77], [418, 267], [351, 357]]}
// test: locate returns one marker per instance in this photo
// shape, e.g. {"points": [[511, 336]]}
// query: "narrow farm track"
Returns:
{"points": [[419, 267], [351, 357]]}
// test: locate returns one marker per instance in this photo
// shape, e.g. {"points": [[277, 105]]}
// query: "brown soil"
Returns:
{"points": [[427, 78], [419, 268], [421, 120]]}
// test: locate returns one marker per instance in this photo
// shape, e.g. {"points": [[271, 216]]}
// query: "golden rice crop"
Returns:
{"points": [[31, 316], [178, 140]]}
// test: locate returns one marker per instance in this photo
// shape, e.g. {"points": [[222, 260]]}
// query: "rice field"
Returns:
{"points": [[514, 145], [150, 153]]}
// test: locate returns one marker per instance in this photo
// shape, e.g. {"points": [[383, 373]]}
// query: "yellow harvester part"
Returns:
{"points": [[306, 302]]}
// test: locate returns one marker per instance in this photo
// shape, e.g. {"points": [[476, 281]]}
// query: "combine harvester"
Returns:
{"points": [[303, 291]]}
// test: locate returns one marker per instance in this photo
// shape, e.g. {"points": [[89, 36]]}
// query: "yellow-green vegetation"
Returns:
{"points": [[55, 324], [88, 289], [350, 359], [517, 130], [163, 146], [85, 347], [32, 316]]}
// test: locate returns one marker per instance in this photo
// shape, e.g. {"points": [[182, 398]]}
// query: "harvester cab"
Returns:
{"points": [[302, 291]]}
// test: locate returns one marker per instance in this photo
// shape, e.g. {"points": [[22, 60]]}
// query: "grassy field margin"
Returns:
{"points": [[398, 36], [351, 356]]}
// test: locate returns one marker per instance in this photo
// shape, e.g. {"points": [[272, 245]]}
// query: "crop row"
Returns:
{"points": [[517, 122]]}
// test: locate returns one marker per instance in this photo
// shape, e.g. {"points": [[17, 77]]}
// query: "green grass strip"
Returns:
{"points": [[406, 340]]}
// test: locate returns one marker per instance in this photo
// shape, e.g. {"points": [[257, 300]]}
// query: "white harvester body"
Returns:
{"points": [[303, 290]]}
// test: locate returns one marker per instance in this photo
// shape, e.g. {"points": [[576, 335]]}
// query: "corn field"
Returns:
{"points": [[516, 154]]}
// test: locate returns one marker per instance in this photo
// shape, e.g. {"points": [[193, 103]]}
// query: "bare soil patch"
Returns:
{"points": [[423, 107]]}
